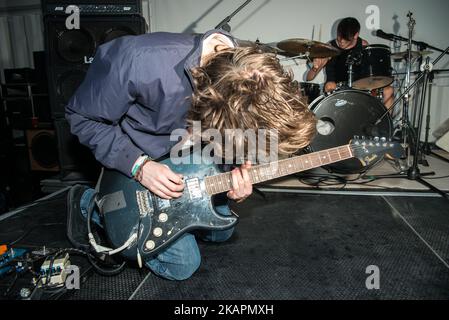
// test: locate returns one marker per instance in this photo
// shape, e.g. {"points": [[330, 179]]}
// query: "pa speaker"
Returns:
{"points": [[73, 156], [70, 52], [42, 150]]}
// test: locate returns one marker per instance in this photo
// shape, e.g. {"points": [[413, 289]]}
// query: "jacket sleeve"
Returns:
{"points": [[104, 97]]}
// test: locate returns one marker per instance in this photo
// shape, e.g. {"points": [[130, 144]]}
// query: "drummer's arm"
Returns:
{"points": [[318, 65]]}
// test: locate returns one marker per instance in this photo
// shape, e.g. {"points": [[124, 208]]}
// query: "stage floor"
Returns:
{"points": [[286, 246]]}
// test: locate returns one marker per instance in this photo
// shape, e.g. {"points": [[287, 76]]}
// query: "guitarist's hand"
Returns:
{"points": [[159, 179], [241, 183]]}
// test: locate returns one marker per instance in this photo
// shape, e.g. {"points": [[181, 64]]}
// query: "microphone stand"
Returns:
{"points": [[413, 172], [421, 44], [426, 149], [224, 24]]}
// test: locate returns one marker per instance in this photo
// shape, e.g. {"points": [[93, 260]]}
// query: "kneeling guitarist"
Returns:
{"points": [[139, 89]]}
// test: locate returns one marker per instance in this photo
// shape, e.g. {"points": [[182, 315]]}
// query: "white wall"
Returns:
{"points": [[266, 20], [275, 20]]}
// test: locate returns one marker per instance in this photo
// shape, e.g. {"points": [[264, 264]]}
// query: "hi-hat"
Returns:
{"points": [[308, 48], [415, 54]]}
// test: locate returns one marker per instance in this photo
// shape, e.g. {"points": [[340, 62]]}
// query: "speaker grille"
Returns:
{"points": [[70, 52], [73, 45], [67, 84], [44, 150]]}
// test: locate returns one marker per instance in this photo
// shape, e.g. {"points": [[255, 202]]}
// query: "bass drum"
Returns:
{"points": [[343, 115]]}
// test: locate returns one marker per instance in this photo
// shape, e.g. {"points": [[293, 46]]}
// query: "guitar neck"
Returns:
{"points": [[223, 182]]}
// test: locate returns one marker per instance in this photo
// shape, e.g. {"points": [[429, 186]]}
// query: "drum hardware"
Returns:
{"points": [[426, 145], [413, 171], [351, 60], [415, 54], [308, 49], [224, 24], [309, 90], [375, 68]]}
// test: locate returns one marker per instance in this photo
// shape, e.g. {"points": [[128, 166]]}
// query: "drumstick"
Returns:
{"points": [[319, 35]]}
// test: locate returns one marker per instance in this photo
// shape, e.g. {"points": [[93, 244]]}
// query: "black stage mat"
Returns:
{"points": [[292, 246]]}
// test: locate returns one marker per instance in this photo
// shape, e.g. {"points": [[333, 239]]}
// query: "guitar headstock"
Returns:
{"points": [[369, 149]]}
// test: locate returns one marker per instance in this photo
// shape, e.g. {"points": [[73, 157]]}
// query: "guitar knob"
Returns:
{"points": [[157, 232], [149, 245], [383, 139], [163, 217]]}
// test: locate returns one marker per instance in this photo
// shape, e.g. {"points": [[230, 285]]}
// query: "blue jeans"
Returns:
{"points": [[182, 258]]}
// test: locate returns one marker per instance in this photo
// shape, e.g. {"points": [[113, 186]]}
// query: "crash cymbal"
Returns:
{"points": [[415, 54], [312, 49]]}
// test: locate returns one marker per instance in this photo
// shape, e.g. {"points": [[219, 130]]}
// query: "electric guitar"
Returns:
{"points": [[138, 221]]}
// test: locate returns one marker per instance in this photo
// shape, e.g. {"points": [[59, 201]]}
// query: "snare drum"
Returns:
{"points": [[310, 90], [375, 68]]}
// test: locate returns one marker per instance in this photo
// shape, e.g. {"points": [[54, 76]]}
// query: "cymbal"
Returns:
{"points": [[313, 49], [415, 54], [264, 47]]}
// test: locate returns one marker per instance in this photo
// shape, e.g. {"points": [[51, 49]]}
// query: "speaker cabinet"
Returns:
{"points": [[70, 52], [73, 156], [42, 150]]}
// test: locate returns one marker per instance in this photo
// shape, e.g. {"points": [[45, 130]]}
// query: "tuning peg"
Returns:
{"points": [[363, 138], [356, 137], [383, 139], [376, 139]]}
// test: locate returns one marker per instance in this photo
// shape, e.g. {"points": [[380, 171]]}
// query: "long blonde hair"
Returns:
{"points": [[244, 88]]}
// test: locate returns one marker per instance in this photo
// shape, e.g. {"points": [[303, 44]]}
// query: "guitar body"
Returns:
{"points": [[126, 206]]}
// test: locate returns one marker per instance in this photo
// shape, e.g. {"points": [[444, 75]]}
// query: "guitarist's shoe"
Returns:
{"points": [[76, 222]]}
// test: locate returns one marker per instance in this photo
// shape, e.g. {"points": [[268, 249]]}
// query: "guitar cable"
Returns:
{"points": [[100, 249]]}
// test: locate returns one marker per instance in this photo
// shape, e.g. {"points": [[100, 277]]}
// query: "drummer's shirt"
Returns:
{"points": [[337, 68]]}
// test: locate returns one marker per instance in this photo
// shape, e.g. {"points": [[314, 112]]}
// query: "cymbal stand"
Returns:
{"points": [[413, 172], [426, 146], [406, 128]]}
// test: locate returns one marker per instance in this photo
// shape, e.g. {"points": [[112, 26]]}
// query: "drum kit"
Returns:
{"points": [[355, 108]]}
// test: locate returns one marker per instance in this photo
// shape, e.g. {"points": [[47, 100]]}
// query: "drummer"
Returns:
{"points": [[349, 41]]}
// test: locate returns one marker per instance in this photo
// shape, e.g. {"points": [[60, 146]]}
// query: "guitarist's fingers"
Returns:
{"points": [[164, 192], [238, 183], [245, 175], [176, 188], [176, 178], [157, 191]]}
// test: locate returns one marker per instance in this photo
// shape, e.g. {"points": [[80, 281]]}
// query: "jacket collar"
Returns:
{"points": [[194, 58]]}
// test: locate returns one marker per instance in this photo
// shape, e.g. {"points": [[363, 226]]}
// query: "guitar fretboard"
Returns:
{"points": [[223, 182]]}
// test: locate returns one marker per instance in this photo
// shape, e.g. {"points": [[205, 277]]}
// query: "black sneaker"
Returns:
{"points": [[76, 222]]}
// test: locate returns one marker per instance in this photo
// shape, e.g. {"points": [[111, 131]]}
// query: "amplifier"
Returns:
{"points": [[97, 7]]}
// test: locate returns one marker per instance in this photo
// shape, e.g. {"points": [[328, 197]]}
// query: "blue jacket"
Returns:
{"points": [[136, 92]]}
